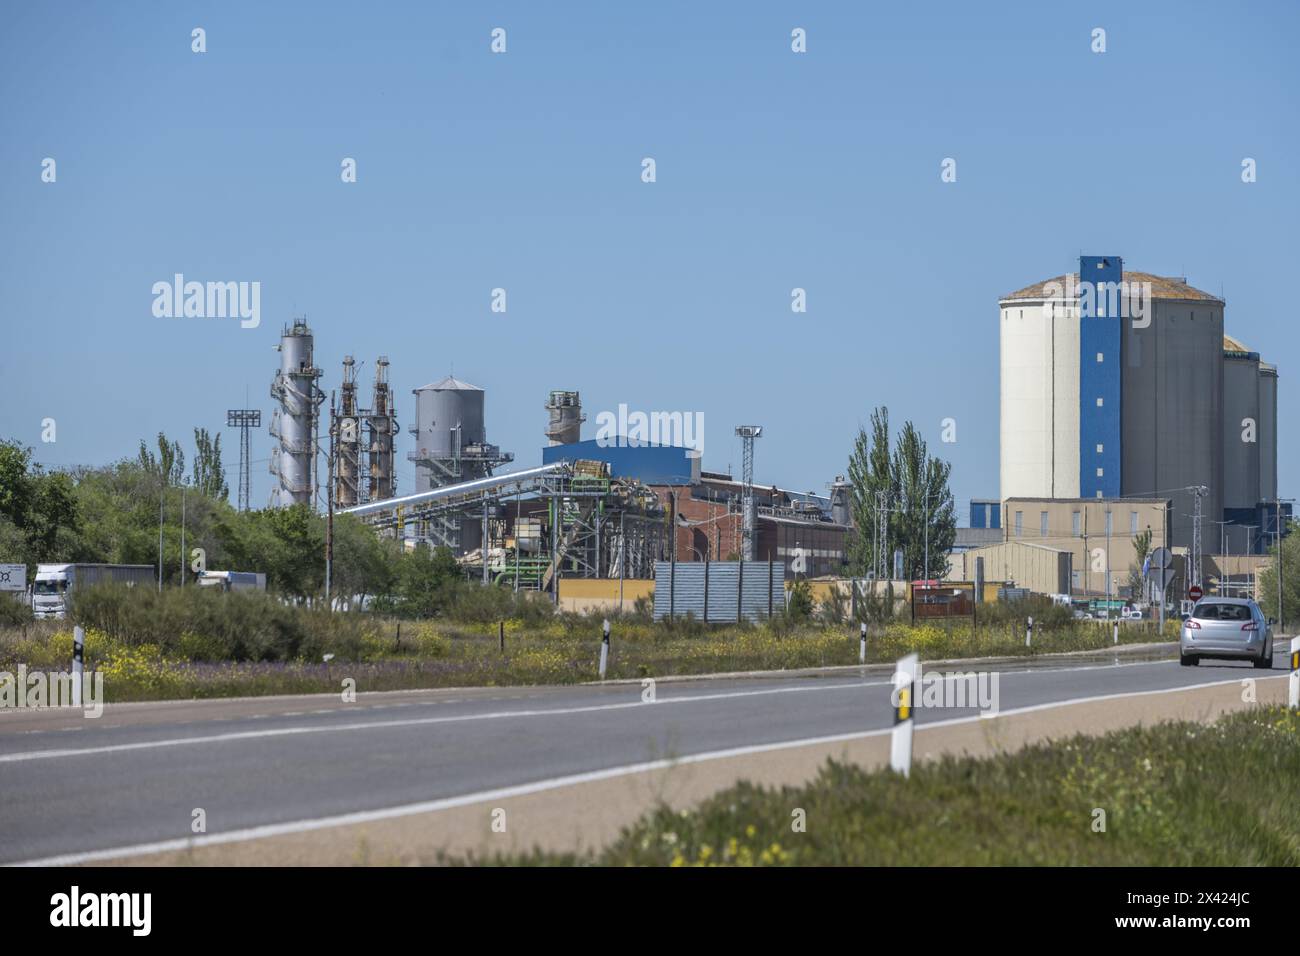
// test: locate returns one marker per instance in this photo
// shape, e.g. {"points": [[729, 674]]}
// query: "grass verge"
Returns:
{"points": [[1176, 794], [379, 656]]}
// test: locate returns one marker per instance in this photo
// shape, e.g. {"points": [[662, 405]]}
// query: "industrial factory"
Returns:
{"points": [[1126, 408], [594, 509], [1130, 420], [295, 425]]}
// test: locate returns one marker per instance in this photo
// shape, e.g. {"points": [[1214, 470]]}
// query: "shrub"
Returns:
{"points": [[469, 603], [206, 624], [13, 612], [799, 606]]}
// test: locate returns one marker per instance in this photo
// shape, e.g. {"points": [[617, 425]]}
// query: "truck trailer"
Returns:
{"points": [[233, 580], [54, 582]]}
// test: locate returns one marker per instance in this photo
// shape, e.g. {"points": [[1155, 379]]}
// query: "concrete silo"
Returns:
{"points": [[1039, 426], [1172, 438], [1249, 446], [1267, 432], [294, 422], [1240, 426], [1143, 402]]}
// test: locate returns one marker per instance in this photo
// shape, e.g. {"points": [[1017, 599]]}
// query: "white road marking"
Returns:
{"points": [[540, 786], [414, 722], [499, 715]]}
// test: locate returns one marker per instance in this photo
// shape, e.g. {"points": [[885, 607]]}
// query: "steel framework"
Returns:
{"points": [[595, 526], [245, 419], [747, 434]]}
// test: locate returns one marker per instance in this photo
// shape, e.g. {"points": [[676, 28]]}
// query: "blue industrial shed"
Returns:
{"points": [[649, 464]]}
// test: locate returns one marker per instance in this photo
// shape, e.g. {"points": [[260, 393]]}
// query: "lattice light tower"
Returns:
{"points": [[1200, 491], [747, 434], [245, 419]]}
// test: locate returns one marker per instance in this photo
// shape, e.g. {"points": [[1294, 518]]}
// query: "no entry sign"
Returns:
{"points": [[1195, 592]]}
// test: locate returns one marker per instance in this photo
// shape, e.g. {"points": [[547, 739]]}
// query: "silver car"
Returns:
{"points": [[1227, 628]]}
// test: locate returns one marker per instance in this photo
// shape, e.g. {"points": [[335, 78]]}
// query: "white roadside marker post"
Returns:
{"points": [[862, 643], [604, 649], [78, 662], [900, 743], [1116, 626], [1295, 672], [1029, 631]]}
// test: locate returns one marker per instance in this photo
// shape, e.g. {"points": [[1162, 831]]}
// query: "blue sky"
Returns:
{"points": [[522, 171]]}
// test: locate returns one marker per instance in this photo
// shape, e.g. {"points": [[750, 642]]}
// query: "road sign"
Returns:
{"points": [[1160, 567], [1195, 592], [13, 577]]}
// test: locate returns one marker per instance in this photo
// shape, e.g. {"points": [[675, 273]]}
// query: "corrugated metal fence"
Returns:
{"points": [[731, 590]]}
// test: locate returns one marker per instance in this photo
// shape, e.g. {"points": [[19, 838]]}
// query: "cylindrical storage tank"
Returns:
{"points": [[1267, 432], [1173, 432], [296, 391], [448, 418], [1241, 430], [1039, 423]]}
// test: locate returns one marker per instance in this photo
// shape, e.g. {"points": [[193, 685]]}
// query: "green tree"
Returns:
{"points": [[364, 564], [1290, 583], [425, 580], [209, 474], [52, 527], [287, 544], [16, 485], [871, 490], [1141, 548], [899, 495], [39, 507], [926, 520], [168, 466]]}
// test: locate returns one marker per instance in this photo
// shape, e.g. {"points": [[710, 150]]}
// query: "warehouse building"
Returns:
{"points": [[1120, 384], [1080, 546]]}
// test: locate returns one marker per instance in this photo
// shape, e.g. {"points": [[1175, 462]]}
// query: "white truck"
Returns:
{"points": [[233, 580], [54, 582]]}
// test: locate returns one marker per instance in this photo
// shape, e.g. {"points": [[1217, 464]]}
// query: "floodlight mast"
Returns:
{"points": [[747, 434]]}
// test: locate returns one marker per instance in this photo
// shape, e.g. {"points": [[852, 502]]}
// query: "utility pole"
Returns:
{"points": [[925, 518], [1277, 504], [1109, 522], [160, 529], [926, 513], [184, 488], [882, 555], [485, 542], [329, 505]]}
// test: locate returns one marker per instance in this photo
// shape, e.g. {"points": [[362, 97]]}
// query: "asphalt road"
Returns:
{"points": [[87, 785]]}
